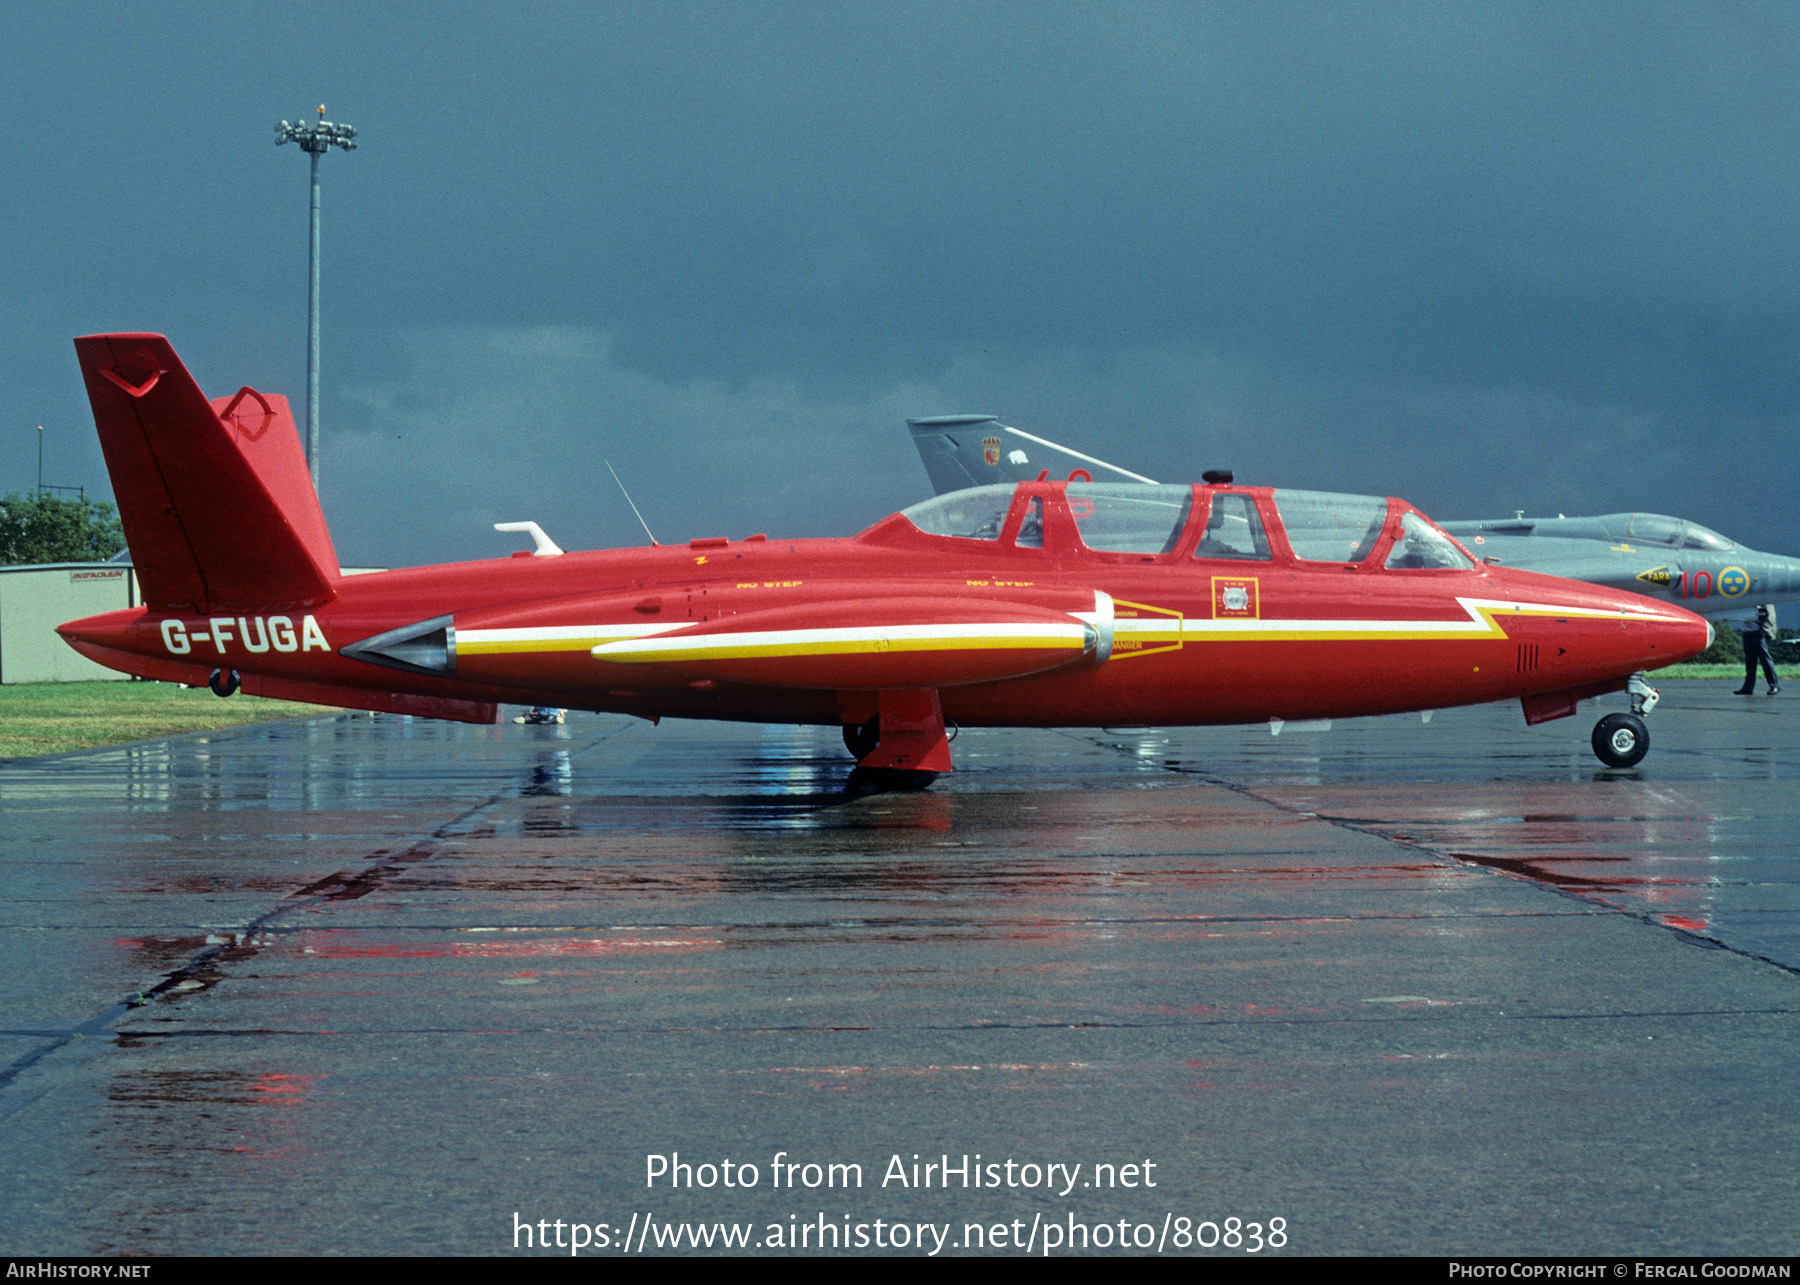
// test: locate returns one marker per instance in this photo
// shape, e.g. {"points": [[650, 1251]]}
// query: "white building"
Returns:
{"points": [[34, 600]]}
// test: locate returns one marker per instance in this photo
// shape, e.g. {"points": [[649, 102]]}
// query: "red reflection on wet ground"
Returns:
{"points": [[1654, 853], [333, 945], [284, 1088]]}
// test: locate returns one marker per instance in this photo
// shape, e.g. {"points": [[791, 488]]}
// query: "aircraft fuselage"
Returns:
{"points": [[1145, 638]]}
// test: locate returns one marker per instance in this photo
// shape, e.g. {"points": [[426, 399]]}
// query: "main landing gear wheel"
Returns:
{"points": [[1621, 740], [224, 682], [862, 738]]}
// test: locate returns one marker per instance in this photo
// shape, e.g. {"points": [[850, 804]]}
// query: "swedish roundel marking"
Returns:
{"points": [[1734, 582]]}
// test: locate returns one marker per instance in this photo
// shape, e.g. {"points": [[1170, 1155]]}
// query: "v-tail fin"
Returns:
{"points": [[960, 451], [217, 504]]}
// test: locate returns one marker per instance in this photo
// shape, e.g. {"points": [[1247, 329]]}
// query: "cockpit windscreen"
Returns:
{"points": [[1422, 546]]}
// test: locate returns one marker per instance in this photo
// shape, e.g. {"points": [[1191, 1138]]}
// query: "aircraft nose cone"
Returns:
{"points": [[1654, 634], [1679, 634]]}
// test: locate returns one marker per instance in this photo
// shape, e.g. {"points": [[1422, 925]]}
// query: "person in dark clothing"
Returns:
{"points": [[1759, 634]]}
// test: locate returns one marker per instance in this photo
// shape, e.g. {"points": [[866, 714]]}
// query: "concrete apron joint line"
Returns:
{"points": [[1455, 858], [201, 972]]}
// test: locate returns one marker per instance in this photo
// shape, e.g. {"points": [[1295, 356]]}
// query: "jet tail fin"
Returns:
{"points": [[215, 497], [960, 451]]}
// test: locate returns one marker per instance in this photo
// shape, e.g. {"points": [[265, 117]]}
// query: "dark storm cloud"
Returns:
{"points": [[1485, 256]]}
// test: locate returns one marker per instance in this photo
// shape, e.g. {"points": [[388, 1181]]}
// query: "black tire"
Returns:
{"points": [[1621, 740], [224, 682], [885, 780], [862, 738]]}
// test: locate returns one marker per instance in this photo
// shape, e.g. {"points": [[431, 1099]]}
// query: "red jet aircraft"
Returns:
{"points": [[1045, 604]]}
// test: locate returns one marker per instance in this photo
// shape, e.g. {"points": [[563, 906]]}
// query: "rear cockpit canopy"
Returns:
{"points": [[1113, 517], [1699, 537], [1658, 528], [975, 513]]}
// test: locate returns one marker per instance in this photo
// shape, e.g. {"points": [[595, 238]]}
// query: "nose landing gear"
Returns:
{"points": [[1622, 740]]}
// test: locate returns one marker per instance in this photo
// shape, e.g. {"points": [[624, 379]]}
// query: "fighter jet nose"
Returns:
{"points": [[1709, 635]]}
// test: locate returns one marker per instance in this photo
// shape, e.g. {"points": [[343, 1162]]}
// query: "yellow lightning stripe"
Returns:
{"points": [[505, 642], [1480, 624], [846, 642]]}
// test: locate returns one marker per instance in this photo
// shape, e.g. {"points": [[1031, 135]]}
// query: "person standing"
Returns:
{"points": [[1759, 639]]}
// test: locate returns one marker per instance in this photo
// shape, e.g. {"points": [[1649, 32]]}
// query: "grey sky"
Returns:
{"points": [[1485, 257]]}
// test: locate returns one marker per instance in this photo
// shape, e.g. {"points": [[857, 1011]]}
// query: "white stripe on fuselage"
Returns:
{"points": [[991, 635], [642, 639]]}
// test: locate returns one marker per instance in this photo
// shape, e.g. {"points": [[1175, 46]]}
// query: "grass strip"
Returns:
{"points": [[1735, 672], [55, 718]]}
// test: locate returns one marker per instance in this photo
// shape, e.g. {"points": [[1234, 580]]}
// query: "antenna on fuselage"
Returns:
{"points": [[628, 500]]}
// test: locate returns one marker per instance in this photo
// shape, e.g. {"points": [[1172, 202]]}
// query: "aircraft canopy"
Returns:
{"points": [[1114, 517], [1423, 546], [1326, 527], [977, 513], [1123, 517]]}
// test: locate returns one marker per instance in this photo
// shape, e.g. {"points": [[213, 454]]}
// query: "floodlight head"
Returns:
{"points": [[316, 136]]}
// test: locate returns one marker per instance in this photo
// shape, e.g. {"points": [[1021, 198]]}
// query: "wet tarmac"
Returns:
{"points": [[375, 985]]}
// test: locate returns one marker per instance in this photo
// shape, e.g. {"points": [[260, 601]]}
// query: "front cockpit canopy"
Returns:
{"points": [[1326, 527]]}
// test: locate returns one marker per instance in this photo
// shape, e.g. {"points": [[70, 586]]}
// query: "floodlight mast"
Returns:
{"points": [[315, 138]]}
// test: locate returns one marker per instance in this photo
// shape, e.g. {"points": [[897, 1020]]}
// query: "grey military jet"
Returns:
{"points": [[1648, 553]]}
